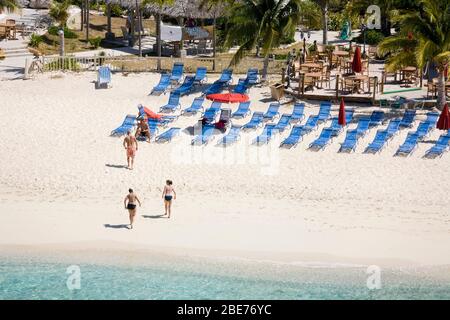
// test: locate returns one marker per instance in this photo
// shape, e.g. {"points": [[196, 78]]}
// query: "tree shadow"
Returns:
{"points": [[116, 226]]}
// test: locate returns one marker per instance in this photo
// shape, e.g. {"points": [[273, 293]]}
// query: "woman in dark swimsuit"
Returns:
{"points": [[130, 204], [168, 194]]}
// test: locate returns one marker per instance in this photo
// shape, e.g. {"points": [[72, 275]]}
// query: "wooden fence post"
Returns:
{"points": [[337, 87], [383, 79], [375, 85]]}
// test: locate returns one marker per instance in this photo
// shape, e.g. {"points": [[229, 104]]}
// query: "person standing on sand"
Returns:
{"points": [[130, 144], [130, 204], [168, 197]]}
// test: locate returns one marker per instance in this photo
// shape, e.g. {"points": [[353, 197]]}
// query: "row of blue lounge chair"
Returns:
{"points": [[225, 79], [168, 79], [298, 131]]}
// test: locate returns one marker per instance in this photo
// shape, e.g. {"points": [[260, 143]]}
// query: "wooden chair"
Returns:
{"points": [[348, 85], [371, 84], [326, 76]]}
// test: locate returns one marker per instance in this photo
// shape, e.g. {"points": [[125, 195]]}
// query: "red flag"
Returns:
{"points": [[341, 118], [357, 64], [444, 119]]}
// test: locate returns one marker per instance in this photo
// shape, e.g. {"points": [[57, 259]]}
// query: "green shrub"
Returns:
{"points": [[373, 37], [116, 10], [35, 40], [68, 34], [63, 64], [95, 42]]}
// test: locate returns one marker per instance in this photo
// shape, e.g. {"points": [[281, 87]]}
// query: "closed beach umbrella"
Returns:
{"points": [[356, 64], [444, 119], [341, 117]]}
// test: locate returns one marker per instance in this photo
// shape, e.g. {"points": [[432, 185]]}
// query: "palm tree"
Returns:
{"points": [[430, 29], [160, 4], [8, 4], [264, 21], [58, 11]]}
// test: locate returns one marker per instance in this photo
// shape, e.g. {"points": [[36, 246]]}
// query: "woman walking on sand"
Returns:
{"points": [[130, 204], [168, 197]]}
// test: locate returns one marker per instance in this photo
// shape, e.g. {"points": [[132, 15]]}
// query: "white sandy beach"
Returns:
{"points": [[62, 184]]}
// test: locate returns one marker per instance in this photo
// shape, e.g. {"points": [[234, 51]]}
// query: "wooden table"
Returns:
{"points": [[407, 73], [357, 80], [315, 76], [9, 28]]}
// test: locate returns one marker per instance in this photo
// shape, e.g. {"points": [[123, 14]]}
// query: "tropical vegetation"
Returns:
{"points": [[424, 38]]}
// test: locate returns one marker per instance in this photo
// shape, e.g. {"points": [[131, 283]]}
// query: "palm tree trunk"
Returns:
{"points": [[325, 22], [158, 39], [441, 99], [82, 16], [214, 43], [87, 22], [265, 68], [138, 12]]}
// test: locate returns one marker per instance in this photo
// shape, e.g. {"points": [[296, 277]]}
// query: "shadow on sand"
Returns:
{"points": [[117, 226], [157, 216], [117, 166]]}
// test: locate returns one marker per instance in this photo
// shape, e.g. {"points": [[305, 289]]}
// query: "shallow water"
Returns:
{"points": [[201, 279]]}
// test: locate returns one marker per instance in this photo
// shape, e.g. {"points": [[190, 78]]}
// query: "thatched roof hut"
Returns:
{"points": [[180, 9]]}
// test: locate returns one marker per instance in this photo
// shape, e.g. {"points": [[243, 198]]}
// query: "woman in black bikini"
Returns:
{"points": [[130, 204], [167, 196]]}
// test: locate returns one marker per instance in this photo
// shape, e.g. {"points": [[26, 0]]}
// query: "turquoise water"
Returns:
{"points": [[34, 279]]}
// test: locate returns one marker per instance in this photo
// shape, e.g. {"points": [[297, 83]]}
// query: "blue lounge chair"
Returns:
{"points": [[216, 87], [350, 142], [242, 111], [127, 124], [226, 77], [335, 127], [349, 115], [294, 137], [201, 75], [408, 119], [439, 148], [168, 135], [376, 118], [231, 137], [196, 106], [177, 72], [323, 140], [267, 134], [163, 84], [272, 111], [173, 104], [324, 111], [255, 122], [298, 113], [252, 76], [210, 114], [241, 87], [409, 145], [103, 77], [393, 127], [162, 122], [432, 117], [311, 124], [378, 142], [283, 123], [205, 137], [186, 87], [363, 126], [424, 129]]}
